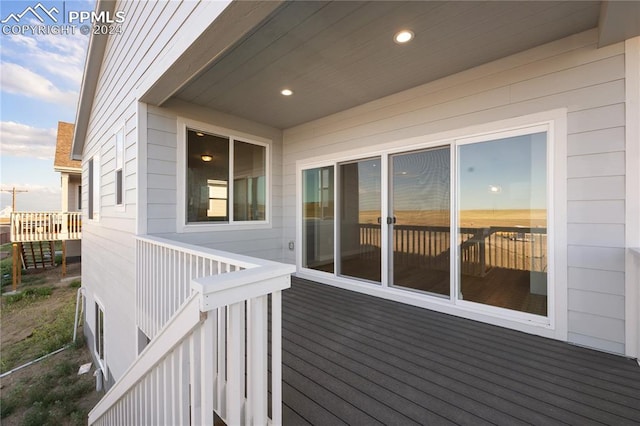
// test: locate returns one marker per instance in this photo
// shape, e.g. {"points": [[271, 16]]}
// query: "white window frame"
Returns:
{"points": [[182, 226], [119, 146], [98, 305], [555, 324], [93, 188]]}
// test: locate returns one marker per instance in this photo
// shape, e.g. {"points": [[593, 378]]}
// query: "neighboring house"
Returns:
{"points": [[488, 168], [70, 179]]}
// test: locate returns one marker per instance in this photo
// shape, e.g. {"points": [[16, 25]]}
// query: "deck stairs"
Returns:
{"points": [[38, 254]]}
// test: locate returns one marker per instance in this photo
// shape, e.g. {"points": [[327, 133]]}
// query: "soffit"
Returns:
{"points": [[336, 55]]}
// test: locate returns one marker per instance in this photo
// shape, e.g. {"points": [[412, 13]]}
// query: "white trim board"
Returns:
{"points": [[632, 196]]}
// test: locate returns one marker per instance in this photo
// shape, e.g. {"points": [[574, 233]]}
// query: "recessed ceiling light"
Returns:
{"points": [[200, 134], [403, 36], [286, 92]]}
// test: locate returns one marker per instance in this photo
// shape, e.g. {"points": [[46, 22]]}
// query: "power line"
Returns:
{"points": [[13, 192]]}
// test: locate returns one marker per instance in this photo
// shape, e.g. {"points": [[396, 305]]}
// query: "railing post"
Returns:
{"points": [[276, 357], [257, 361], [235, 357]]}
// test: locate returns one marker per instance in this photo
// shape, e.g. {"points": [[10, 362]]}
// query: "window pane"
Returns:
{"points": [[119, 186], [502, 225], [249, 171], [207, 177], [317, 219]]}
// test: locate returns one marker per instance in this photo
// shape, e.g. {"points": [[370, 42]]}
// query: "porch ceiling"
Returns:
{"points": [[336, 55]]}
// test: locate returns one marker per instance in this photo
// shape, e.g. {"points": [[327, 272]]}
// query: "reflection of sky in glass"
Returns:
{"points": [[421, 180], [504, 174], [369, 187], [500, 174]]}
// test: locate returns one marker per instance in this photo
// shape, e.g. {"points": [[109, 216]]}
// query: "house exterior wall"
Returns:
{"points": [[162, 180], [154, 32], [571, 73]]}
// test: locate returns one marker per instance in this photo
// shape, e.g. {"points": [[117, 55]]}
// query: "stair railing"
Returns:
{"points": [[212, 355]]}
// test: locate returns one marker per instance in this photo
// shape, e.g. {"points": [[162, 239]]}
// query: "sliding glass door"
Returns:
{"points": [[360, 217], [420, 223], [401, 223]]}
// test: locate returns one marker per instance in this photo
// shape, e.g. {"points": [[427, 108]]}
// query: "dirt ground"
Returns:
{"points": [[19, 324]]}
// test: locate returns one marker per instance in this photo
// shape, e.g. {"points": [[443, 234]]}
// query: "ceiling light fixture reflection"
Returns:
{"points": [[404, 36], [286, 92], [199, 134], [206, 157]]}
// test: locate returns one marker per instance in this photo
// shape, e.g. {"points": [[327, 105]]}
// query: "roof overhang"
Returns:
{"points": [[340, 54], [92, 65], [70, 170], [619, 21]]}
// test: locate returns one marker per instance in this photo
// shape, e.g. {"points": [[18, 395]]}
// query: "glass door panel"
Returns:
{"points": [[502, 223], [420, 227], [318, 219], [360, 213]]}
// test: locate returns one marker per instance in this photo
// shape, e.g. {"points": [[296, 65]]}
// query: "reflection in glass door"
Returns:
{"points": [[419, 230], [502, 222], [317, 219], [360, 212]]}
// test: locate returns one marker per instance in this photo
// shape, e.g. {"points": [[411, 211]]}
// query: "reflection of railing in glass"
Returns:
{"points": [[481, 249]]}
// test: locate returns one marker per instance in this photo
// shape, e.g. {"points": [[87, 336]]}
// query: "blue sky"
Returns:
{"points": [[40, 81]]}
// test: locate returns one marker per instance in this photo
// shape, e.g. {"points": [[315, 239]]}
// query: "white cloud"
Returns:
{"points": [[60, 55], [20, 140], [22, 81], [37, 197]]}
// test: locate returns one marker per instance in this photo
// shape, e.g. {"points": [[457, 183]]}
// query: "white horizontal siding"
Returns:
{"points": [[597, 281], [597, 141], [595, 234], [590, 211], [153, 31], [596, 188], [571, 73]]}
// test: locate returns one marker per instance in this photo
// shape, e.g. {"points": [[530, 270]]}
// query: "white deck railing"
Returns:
{"points": [[212, 354], [45, 226]]}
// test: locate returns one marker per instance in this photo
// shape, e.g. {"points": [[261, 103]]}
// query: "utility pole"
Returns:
{"points": [[13, 196]]}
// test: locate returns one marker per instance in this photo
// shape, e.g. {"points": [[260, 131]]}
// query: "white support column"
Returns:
{"points": [[64, 205]]}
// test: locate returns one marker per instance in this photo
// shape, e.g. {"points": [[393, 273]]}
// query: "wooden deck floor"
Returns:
{"points": [[359, 360]]}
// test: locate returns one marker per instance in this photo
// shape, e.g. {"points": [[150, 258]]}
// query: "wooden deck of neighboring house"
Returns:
{"points": [[354, 359]]}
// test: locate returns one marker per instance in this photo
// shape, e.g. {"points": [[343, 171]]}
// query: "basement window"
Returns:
{"points": [[99, 333]]}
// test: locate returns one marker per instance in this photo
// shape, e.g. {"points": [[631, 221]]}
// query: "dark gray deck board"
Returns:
{"points": [[538, 372], [526, 351], [471, 381], [354, 359]]}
